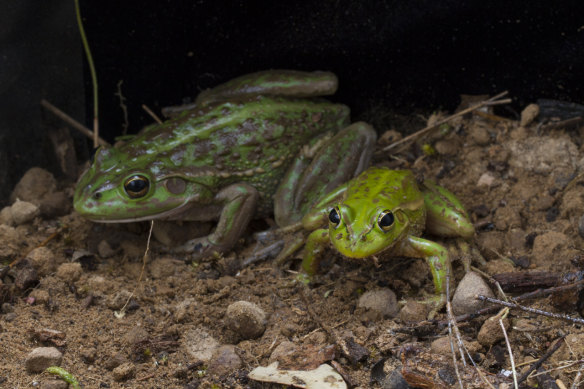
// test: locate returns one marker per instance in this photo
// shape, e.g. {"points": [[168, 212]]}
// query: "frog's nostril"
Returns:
{"points": [[97, 196]]}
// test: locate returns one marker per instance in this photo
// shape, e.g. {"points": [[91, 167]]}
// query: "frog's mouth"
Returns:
{"points": [[164, 215]]}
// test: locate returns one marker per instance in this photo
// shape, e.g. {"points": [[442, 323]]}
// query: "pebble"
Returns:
{"points": [[490, 332], [124, 371], [480, 134], [35, 184], [413, 312], [43, 260], [42, 357], [118, 300], [246, 319], [6, 216], [114, 361], [70, 272], [464, 300], [23, 212], [105, 250], [378, 304], [200, 344], [529, 114], [224, 361], [88, 355]]}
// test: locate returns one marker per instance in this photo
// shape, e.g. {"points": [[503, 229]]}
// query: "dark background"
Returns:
{"points": [[402, 55]]}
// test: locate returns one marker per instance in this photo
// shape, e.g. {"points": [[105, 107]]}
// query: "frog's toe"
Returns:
{"points": [[435, 303]]}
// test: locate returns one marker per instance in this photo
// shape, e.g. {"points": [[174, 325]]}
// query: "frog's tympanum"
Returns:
{"points": [[383, 212], [260, 144]]}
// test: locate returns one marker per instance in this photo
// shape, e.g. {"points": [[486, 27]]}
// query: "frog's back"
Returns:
{"points": [[252, 140], [392, 188]]}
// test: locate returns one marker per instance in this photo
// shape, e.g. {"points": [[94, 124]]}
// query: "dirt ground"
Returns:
{"points": [[76, 285]]}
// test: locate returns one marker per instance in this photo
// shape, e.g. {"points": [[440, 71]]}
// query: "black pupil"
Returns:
{"points": [[334, 216], [386, 220], [136, 185]]}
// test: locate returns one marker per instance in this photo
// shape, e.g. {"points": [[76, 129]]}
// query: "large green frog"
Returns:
{"points": [[259, 144], [383, 212]]}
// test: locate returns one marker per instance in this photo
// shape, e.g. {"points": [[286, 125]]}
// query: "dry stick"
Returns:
{"points": [[575, 383], [151, 113], [72, 122], [122, 311], [490, 102], [532, 310], [452, 323], [541, 360], [509, 349]]}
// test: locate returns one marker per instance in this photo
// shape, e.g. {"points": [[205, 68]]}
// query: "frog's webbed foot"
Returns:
{"points": [[435, 304], [199, 248], [467, 254]]}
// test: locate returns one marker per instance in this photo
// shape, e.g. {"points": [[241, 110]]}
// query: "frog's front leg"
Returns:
{"points": [[239, 205], [313, 250], [437, 257]]}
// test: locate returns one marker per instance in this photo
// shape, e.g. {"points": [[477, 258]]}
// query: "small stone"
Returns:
{"points": [[70, 272], [486, 179], [55, 204], [246, 319], [464, 300], [88, 355], [378, 304], [42, 357], [136, 335], [224, 361], [200, 344], [9, 317], [7, 308], [413, 312], [183, 310], [105, 250], [40, 296], [480, 134], [442, 346], [43, 260], [124, 371], [23, 212], [352, 350], [490, 332], [117, 301], [115, 361], [6, 216], [35, 184], [529, 114], [283, 351], [447, 146]]}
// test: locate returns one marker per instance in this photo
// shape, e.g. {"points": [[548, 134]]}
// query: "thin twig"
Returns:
{"points": [[452, 323], [72, 122], [92, 72], [509, 349], [151, 113], [541, 360], [122, 311], [532, 310], [577, 378], [490, 102]]}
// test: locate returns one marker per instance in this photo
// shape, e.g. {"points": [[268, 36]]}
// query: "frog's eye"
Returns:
{"points": [[335, 216], [385, 220], [136, 186]]}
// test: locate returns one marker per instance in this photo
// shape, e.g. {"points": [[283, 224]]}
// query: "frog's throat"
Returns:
{"points": [[162, 215]]}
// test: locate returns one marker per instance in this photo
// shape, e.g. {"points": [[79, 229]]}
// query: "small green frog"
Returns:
{"points": [[260, 144], [384, 212]]}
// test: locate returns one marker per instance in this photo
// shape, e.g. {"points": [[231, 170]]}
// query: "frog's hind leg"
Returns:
{"points": [[322, 167], [445, 215]]}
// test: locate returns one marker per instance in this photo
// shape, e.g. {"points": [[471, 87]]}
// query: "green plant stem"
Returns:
{"points": [[93, 74]]}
